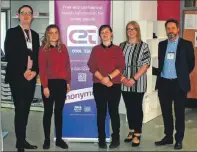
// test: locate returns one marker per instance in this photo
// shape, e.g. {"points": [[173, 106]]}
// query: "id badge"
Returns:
{"points": [[170, 56], [29, 45]]}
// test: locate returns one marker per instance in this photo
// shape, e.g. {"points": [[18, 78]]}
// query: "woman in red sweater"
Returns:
{"points": [[55, 75], [106, 62]]}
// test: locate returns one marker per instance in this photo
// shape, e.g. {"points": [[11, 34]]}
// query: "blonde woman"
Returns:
{"points": [[134, 79], [55, 76]]}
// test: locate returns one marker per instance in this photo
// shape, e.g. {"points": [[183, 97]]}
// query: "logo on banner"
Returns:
{"points": [[82, 35], [80, 68], [77, 108], [82, 77], [79, 95], [87, 109]]}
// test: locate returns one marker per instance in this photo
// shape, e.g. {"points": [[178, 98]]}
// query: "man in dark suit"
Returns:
{"points": [[175, 63], [21, 52]]}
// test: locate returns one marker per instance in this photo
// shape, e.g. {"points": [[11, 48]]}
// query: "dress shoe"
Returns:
{"points": [[102, 144], [29, 146], [114, 144], [21, 150], [46, 144], [178, 145], [164, 141], [61, 143]]}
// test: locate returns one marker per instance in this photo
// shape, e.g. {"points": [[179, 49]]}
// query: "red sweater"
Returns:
{"points": [[106, 60], [54, 65]]}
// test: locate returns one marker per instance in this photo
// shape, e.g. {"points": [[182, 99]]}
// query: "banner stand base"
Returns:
{"points": [[83, 139]]}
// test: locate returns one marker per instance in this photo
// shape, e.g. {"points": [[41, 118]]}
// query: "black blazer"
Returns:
{"points": [[16, 54], [185, 62]]}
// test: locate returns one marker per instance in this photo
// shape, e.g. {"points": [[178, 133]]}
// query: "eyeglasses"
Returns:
{"points": [[130, 29], [26, 13]]}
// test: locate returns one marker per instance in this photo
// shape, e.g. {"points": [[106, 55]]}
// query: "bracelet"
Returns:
{"points": [[134, 79], [109, 77]]}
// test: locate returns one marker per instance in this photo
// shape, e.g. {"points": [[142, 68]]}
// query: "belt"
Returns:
{"points": [[169, 79]]}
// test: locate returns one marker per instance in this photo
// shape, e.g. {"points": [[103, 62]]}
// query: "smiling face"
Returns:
{"points": [[25, 16], [131, 31]]}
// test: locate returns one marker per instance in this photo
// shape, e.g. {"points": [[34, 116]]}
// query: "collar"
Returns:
{"points": [[175, 41], [23, 28], [51, 46], [107, 46]]}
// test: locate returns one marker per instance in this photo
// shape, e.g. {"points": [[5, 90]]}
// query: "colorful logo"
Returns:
{"points": [[82, 35]]}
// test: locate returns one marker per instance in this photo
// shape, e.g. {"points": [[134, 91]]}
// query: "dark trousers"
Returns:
{"points": [[23, 94], [168, 92], [107, 97], [58, 90], [133, 103]]}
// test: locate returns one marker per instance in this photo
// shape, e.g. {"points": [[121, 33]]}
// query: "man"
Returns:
{"points": [[176, 62], [21, 52]]}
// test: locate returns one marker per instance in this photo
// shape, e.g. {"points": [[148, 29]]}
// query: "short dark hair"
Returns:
{"points": [[104, 26], [172, 21], [19, 10]]}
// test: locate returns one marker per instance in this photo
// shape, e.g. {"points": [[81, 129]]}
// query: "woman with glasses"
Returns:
{"points": [[106, 63], [134, 79], [55, 76]]}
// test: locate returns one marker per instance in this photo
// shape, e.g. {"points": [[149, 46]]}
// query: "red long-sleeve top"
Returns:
{"points": [[106, 60], [54, 64]]}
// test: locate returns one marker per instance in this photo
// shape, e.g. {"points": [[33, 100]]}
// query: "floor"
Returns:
{"points": [[152, 131]]}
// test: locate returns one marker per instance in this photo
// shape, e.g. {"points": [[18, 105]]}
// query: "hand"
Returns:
{"points": [[27, 74], [109, 84], [31, 75], [68, 88], [125, 81], [46, 92], [105, 80], [131, 82]]}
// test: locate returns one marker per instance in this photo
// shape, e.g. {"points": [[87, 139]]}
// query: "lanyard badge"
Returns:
{"points": [[170, 55], [28, 40]]}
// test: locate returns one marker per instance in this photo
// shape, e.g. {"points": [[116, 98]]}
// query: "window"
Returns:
{"points": [[3, 29]]}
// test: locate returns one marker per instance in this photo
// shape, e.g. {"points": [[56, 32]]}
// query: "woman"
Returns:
{"points": [[106, 63], [55, 76], [134, 79]]}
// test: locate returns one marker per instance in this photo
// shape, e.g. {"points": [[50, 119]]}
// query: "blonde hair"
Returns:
{"points": [[136, 27], [46, 42]]}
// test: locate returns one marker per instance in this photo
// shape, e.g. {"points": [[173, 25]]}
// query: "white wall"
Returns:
{"points": [[3, 29], [148, 10], [118, 21], [51, 12]]}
